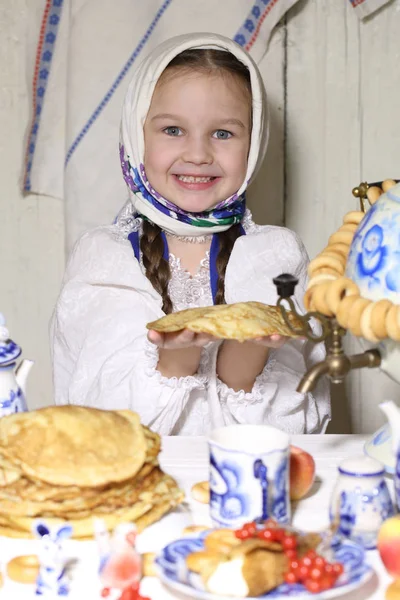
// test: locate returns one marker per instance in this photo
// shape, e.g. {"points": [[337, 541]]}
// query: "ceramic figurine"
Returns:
{"points": [[120, 563], [360, 501], [12, 381], [52, 580]]}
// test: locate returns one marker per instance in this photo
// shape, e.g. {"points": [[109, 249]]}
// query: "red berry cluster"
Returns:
{"points": [[312, 570]]}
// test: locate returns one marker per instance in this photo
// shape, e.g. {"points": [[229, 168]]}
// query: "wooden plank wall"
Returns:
{"points": [[333, 86]]}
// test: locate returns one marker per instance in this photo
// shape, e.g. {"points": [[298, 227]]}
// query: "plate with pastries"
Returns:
{"points": [[262, 561], [240, 321]]}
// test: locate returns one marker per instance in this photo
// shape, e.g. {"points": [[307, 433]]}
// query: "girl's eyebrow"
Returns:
{"points": [[232, 122], [229, 121], [165, 116]]}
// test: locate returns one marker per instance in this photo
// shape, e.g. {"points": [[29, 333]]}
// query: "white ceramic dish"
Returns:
{"points": [[174, 574]]}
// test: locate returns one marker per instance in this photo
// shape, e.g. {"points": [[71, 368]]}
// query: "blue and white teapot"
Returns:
{"points": [[12, 380], [374, 264]]}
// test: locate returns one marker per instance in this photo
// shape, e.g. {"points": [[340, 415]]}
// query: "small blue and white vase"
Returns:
{"points": [[12, 378], [249, 475], [360, 501]]}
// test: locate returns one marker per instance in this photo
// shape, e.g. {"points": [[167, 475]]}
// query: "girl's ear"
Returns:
{"points": [[63, 532], [40, 528]]}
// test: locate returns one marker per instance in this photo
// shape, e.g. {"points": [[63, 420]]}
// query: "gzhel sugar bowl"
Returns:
{"points": [[12, 380], [361, 501]]}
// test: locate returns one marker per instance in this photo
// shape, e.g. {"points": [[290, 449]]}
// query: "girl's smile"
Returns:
{"points": [[197, 137]]}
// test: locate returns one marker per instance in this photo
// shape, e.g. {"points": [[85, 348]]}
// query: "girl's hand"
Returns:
{"points": [[272, 341], [179, 339]]}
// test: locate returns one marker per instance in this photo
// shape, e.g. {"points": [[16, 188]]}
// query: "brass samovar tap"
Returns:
{"points": [[337, 363]]}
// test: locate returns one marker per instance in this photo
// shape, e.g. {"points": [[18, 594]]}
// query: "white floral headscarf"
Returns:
{"points": [[147, 201]]}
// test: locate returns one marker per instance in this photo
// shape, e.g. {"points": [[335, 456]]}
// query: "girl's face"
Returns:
{"points": [[197, 138]]}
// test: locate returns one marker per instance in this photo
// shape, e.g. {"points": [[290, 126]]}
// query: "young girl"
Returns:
{"points": [[193, 134]]}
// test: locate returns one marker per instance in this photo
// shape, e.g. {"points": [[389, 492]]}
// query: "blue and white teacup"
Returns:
{"points": [[249, 475]]}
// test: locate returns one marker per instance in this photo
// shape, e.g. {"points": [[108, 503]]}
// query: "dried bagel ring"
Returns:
{"points": [[308, 298], [354, 216], [337, 254], [378, 318], [329, 271], [326, 260], [342, 249], [341, 237], [201, 492], [374, 193], [23, 569], [343, 311], [348, 227], [393, 322], [319, 278], [366, 324], [338, 290], [319, 299], [356, 310], [388, 184]]}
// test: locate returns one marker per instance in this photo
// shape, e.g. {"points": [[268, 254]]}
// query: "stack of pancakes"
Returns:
{"points": [[75, 464]]}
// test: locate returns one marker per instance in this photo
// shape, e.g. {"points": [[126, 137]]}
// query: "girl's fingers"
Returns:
{"points": [[272, 341]]}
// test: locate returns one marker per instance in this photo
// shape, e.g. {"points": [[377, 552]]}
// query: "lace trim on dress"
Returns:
{"points": [[190, 382], [126, 221], [256, 395], [189, 291]]}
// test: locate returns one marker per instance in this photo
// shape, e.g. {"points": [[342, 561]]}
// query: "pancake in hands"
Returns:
{"points": [[241, 321]]}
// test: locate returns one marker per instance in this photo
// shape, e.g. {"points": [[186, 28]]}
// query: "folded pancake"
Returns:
{"points": [[241, 321]]}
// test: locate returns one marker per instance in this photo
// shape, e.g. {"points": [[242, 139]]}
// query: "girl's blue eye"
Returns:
{"points": [[222, 134], [172, 130]]}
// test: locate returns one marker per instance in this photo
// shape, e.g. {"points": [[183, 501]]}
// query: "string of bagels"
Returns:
{"points": [[334, 295]]}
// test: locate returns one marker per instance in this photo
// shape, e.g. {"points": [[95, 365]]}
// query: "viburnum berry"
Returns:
{"points": [[289, 542], [267, 534], [291, 577], [337, 568], [312, 586], [242, 534]]}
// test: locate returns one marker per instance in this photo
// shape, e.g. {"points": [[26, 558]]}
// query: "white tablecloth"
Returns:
{"points": [[186, 459]]}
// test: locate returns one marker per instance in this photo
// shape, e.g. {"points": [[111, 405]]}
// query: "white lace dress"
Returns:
{"points": [[102, 358]]}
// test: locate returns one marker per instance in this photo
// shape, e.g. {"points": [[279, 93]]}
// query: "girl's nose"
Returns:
{"points": [[198, 151]]}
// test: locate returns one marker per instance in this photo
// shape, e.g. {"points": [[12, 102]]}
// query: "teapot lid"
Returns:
{"points": [[9, 350]]}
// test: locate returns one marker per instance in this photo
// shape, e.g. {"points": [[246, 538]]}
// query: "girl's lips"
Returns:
{"points": [[196, 186]]}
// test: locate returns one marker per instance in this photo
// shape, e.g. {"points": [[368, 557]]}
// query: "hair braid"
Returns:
{"points": [[226, 242], [157, 268]]}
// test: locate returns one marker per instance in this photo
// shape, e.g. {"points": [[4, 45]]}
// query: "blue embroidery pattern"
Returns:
{"points": [[118, 80], [42, 68]]}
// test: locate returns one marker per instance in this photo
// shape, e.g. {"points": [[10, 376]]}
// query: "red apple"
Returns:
{"points": [[389, 545], [302, 472]]}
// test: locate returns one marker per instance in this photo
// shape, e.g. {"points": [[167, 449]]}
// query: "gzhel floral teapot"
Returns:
{"points": [[12, 380], [374, 264]]}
